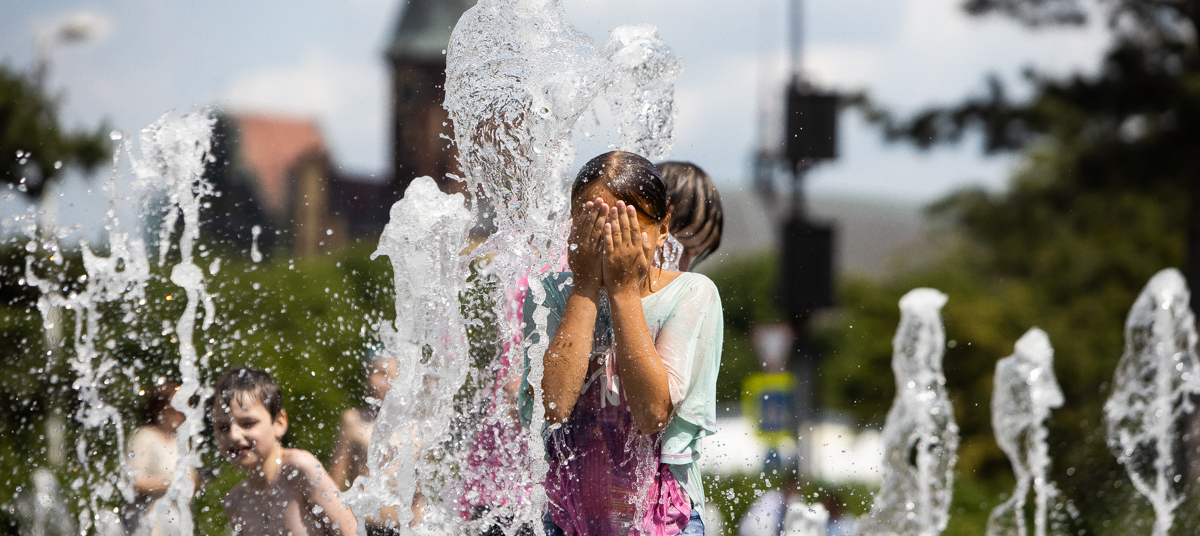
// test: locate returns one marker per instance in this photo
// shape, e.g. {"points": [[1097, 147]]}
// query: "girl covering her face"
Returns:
{"points": [[631, 366]]}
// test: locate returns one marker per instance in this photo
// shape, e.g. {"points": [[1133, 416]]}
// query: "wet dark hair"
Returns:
{"points": [[245, 381], [697, 218], [630, 178], [158, 399]]}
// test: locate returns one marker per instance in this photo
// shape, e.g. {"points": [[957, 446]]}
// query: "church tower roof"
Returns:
{"points": [[423, 29]]}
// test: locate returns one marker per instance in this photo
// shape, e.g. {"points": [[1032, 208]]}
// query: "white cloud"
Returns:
{"points": [[940, 54], [348, 98]]}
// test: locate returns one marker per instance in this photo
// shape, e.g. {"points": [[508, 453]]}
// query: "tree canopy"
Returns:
{"points": [[34, 146], [1104, 196]]}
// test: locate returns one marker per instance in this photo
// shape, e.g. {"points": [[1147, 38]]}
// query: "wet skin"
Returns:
{"points": [[286, 491], [611, 248]]}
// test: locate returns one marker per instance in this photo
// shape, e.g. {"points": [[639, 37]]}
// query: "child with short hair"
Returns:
{"points": [[286, 492]]}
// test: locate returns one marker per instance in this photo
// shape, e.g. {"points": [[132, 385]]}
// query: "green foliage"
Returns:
{"points": [[747, 288], [1022, 260], [731, 496], [1102, 201], [309, 322], [29, 126]]}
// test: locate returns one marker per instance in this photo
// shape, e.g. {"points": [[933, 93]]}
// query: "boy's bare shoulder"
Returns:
{"points": [[301, 462], [352, 416]]}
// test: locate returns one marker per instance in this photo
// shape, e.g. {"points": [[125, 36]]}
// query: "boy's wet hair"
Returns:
{"points": [[245, 381], [697, 218], [158, 399], [630, 178]]}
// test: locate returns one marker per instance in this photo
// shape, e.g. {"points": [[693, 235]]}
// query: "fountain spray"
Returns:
{"points": [[1025, 392], [1153, 388], [920, 436], [174, 154]]}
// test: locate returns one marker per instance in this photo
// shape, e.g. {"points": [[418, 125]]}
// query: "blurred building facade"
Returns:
{"points": [[275, 173], [421, 129]]}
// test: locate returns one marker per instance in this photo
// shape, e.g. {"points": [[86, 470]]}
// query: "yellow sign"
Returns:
{"points": [[768, 403]]}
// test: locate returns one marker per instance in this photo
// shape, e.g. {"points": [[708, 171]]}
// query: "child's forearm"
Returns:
{"points": [[341, 458], [339, 520], [642, 372], [566, 360]]}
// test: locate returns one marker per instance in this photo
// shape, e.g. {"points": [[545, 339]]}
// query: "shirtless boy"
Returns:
{"points": [[286, 492]]}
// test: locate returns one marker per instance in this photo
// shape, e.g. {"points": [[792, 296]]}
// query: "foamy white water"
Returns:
{"points": [[1152, 388], [920, 436], [174, 153], [423, 241], [1025, 391]]}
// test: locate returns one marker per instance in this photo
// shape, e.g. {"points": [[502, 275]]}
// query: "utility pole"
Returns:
{"points": [[806, 247], [73, 30]]}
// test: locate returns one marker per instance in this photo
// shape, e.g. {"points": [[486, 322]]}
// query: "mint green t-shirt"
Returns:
{"points": [[687, 325]]}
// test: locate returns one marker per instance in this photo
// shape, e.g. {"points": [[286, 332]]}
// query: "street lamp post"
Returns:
{"points": [[806, 247], [68, 31], [73, 30]]}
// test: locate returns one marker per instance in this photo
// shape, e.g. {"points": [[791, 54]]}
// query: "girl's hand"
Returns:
{"points": [[584, 253], [626, 262]]}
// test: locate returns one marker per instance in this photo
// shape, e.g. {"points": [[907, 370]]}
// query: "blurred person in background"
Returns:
{"points": [[841, 523], [153, 455], [697, 218], [766, 514], [783, 512], [353, 442], [354, 432]]}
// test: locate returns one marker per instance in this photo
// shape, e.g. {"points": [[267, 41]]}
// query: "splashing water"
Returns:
{"points": [[423, 241], [174, 152], [121, 277], [1152, 389], [920, 435], [1025, 392], [518, 79], [41, 507], [805, 520], [255, 254]]}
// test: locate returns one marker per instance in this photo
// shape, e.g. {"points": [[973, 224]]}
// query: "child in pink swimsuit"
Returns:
{"points": [[631, 364]]}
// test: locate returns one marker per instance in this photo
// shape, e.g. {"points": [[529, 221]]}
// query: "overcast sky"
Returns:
{"points": [[324, 59]]}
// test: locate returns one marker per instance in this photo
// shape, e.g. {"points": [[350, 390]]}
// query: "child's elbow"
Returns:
{"points": [[555, 414], [654, 420]]}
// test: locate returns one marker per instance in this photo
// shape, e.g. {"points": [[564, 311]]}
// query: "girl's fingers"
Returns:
{"points": [[608, 238], [597, 229], [590, 216], [625, 238], [635, 226], [614, 218]]}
